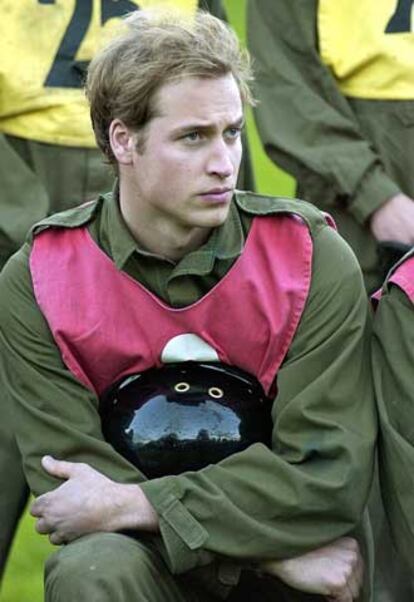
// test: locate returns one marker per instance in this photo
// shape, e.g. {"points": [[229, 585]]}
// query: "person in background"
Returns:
{"points": [[393, 358], [336, 110], [335, 85]]}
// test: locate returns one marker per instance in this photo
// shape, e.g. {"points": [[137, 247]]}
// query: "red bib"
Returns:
{"points": [[108, 325]]}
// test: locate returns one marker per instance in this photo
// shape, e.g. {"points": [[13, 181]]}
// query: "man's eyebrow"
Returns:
{"points": [[239, 123], [200, 127]]}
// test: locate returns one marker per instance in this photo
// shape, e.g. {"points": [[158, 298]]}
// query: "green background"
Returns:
{"points": [[24, 575]]}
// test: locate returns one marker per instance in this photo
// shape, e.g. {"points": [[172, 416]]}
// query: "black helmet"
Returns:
{"points": [[184, 416]]}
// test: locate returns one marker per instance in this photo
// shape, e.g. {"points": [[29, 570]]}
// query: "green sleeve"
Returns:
{"points": [[305, 123], [393, 361], [312, 486]]}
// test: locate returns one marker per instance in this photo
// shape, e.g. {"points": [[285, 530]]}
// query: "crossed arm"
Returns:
{"points": [[89, 502]]}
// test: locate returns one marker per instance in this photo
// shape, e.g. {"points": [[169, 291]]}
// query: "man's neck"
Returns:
{"points": [[161, 237], [166, 242]]}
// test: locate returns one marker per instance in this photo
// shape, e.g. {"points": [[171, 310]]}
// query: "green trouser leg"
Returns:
{"points": [[111, 567], [13, 491]]}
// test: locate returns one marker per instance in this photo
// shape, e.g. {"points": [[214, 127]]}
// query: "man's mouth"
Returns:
{"points": [[217, 195]]}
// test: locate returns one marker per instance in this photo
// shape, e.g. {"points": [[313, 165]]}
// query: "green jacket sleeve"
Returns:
{"points": [[306, 125], [312, 486], [393, 361]]}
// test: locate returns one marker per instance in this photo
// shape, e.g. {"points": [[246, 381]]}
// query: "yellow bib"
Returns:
{"points": [[369, 46], [46, 46]]}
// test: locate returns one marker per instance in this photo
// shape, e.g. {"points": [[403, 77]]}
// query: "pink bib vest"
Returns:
{"points": [[402, 277], [107, 325]]}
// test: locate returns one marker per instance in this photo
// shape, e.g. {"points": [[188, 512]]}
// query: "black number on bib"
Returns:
{"points": [[116, 8], [400, 21], [66, 71]]}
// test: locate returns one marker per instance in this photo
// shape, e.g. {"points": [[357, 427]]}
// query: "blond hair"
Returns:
{"points": [[157, 47]]}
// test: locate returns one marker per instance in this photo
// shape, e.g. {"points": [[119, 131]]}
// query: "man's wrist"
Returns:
{"points": [[132, 510]]}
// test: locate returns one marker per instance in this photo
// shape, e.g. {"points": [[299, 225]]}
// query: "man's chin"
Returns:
{"points": [[216, 217]]}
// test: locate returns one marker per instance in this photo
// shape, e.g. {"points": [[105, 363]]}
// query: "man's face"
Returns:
{"points": [[186, 173]]}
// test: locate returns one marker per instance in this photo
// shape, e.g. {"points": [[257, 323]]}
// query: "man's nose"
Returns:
{"points": [[220, 162]]}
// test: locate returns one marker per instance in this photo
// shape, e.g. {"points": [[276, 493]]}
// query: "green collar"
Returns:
{"points": [[225, 242]]}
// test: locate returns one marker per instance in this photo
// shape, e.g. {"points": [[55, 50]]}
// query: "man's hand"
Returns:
{"points": [[394, 220], [89, 502], [335, 571]]}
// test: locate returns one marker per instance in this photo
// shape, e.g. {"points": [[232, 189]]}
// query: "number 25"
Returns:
{"points": [[66, 71]]}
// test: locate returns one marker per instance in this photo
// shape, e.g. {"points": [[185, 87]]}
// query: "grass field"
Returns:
{"points": [[23, 580]]}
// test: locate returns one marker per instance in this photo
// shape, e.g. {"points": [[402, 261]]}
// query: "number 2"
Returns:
{"points": [[66, 71], [400, 22]]}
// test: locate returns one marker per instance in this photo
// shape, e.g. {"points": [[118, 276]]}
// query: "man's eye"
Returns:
{"points": [[233, 132], [192, 136]]}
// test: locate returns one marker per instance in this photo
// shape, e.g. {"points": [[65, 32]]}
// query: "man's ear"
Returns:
{"points": [[122, 141]]}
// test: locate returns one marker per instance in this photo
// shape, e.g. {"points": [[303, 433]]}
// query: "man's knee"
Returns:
{"points": [[108, 567]]}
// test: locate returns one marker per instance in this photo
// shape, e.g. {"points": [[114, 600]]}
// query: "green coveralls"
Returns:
{"points": [[309, 490], [393, 360], [348, 155], [37, 180]]}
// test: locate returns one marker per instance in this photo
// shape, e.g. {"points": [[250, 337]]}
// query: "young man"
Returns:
{"points": [[176, 266], [49, 161], [393, 357]]}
